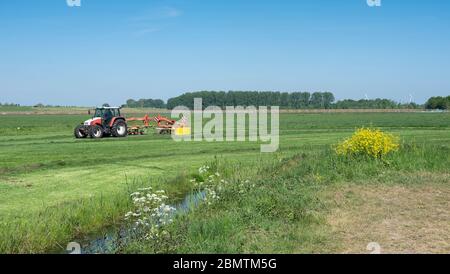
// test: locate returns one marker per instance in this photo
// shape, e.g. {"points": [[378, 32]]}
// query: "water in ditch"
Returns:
{"points": [[113, 238]]}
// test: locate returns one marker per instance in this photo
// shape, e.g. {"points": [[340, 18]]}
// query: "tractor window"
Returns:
{"points": [[98, 113], [116, 112], [108, 115]]}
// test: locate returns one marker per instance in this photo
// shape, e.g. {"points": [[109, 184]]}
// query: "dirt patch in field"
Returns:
{"points": [[401, 219]]}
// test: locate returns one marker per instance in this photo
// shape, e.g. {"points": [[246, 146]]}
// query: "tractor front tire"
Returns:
{"points": [[119, 129], [80, 132], [97, 132]]}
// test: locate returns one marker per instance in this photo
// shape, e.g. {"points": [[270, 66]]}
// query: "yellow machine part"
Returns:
{"points": [[182, 131]]}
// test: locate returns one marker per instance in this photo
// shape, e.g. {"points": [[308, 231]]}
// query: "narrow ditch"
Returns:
{"points": [[111, 239]]}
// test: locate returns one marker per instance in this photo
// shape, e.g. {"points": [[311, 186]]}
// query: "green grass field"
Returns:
{"points": [[54, 188]]}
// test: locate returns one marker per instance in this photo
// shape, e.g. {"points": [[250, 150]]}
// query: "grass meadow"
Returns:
{"points": [[302, 199]]}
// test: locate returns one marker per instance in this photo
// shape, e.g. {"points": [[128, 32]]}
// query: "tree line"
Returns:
{"points": [[145, 103], [285, 100], [373, 104], [438, 103], [9, 104], [295, 100]]}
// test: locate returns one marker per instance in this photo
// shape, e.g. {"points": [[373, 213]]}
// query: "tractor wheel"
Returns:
{"points": [[97, 132], [119, 129], [80, 132]]}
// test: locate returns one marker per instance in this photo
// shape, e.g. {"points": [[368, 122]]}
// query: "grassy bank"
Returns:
{"points": [[286, 206], [50, 229]]}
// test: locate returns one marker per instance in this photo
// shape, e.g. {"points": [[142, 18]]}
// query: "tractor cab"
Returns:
{"points": [[101, 111], [107, 114]]}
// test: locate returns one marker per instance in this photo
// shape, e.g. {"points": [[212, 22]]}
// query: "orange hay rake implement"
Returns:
{"points": [[163, 125]]}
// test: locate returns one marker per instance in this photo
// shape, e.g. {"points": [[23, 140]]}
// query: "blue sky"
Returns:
{"points": [[112, 50]]}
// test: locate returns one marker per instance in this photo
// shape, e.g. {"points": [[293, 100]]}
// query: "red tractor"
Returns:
{"points": [[107, 121]]}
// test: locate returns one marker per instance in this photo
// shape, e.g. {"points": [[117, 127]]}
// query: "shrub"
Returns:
{"points": [[370, 142]]}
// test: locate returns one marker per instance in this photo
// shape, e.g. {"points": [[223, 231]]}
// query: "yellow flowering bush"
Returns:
{"points": [[370, 142]]}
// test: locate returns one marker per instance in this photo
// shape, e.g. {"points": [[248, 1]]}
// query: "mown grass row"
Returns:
{"points": [[26, 125]]}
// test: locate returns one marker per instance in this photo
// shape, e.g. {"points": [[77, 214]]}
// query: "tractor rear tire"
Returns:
{"points": [[119, 129], [97, 132], [80, 132]]}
